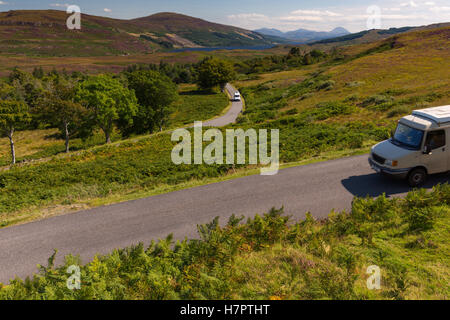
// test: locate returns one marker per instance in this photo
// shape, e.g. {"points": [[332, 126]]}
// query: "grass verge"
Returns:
{"points": [[34, 213]]}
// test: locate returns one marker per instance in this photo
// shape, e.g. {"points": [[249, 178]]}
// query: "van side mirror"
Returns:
{"points": [[427, 150]]}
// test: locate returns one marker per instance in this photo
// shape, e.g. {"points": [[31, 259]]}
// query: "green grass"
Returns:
{"points": [[37, 144], [272, 257], [197, 105], [319, 111], [323, 112], [144, 164]]}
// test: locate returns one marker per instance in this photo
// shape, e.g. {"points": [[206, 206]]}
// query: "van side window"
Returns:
{"points": [[436, 139]]}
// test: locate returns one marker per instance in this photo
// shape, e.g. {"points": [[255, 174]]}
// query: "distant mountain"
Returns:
{"points": [[44, 32], [368, 36], [375, 35], [339, 31], [174, 26], [271, 32], [304, 35]]}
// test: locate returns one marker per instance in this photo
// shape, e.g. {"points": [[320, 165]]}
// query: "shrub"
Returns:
{"points": [[370, 214], [330, 109], [355, 84], [421, 242], [352, 98], [340, 224], [399, 110], [291, 112], [395, 92], [325, 85], [383, 106], [422, 105], [377, 100], [420, 219], [422, 199], [420, 213], [242, 119], [397, 279], [267, 256], [306, 96], [433, 97]]}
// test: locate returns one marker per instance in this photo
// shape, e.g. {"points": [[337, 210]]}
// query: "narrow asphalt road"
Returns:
{"points": [[317, 188], [231, 115]]}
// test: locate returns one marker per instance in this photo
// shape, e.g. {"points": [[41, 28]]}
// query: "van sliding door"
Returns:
{"points": [[438, 160]]}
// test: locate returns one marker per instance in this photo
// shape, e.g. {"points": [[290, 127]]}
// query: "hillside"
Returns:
{"points": [[368, 36], [365, 85], [44, 32], [324, 110]]}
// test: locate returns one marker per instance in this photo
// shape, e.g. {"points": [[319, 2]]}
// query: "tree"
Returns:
{"points": [[28, 88], [155, 93], [212, 72], [317, 54], [307, 59], [38, 73], [109, 101], [59, 108], [18, 75], [295, 51], [13, 114]]}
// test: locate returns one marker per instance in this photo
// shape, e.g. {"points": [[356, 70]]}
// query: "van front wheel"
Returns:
{"points": [[417, 177]]}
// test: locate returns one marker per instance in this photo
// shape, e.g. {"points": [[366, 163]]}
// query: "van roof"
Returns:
{"points": [[419, 123], [440, 115]]}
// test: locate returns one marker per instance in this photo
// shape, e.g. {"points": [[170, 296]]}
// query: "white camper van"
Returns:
{"points": [[419, 147], [237, 96]]}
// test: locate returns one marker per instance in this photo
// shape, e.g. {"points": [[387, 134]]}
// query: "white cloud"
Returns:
{"points": [[2, 2], [250, 16], [310, 15], [411, 4], [107, 10], [393, 15], [249, 20], [60, 5], [302, 18], [325, 13], [440, 9]]}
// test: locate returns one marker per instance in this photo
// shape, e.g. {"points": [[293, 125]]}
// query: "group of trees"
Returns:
{"points": [[207, 74], [295, 58], [177, 72], [213, 72], [133, 102], [136, 101]]}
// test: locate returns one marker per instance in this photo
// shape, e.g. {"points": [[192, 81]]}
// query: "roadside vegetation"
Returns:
{"points": [[294, 59], [271, 256], [140, 101], [341, 103]]}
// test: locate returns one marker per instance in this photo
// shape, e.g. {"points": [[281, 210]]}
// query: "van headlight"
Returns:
{"points": [[391, 163]]}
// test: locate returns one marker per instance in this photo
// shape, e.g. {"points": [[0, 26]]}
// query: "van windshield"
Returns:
{"points": [[408, 136]]}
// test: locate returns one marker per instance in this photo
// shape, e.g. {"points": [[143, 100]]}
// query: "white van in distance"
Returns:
{"points": [[237, 97], [419, 147]]}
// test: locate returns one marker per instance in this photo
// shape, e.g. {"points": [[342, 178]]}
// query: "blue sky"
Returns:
{"points": [[251, 14]]}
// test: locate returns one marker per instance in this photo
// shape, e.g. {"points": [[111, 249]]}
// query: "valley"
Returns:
{"points": [[121, 87]]}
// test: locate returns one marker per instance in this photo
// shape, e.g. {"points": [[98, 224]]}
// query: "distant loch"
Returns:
{"points": [[262, 47]]}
